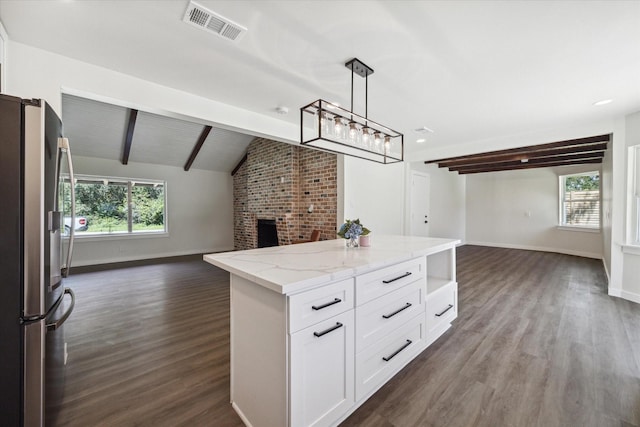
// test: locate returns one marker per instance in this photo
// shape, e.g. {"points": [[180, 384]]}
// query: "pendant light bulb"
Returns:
{"points": [[353, 132], [338, 127], [378, 139]]}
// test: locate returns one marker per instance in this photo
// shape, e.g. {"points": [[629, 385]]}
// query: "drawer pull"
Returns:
{"points": [[320, 307], [395, 353], [445, 310], [408, 273], [326, 331], [388, 316]]}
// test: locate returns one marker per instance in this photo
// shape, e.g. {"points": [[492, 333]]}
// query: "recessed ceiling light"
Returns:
{"points": [[603, 102], [421, 140], [423, 129]]}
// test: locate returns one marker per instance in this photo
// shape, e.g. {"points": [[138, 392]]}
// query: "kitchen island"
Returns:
{"points": [[317, 328]]}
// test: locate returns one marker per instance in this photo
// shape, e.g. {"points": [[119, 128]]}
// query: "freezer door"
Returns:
{"points": [[34, 356], [45, 357]]}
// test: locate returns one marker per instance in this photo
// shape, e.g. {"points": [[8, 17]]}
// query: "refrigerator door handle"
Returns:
{"points": [[63, 145], [55, 325]]}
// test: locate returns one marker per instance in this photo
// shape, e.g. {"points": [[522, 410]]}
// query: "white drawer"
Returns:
{"points": [[381, 361], [311, 307], [376, 283], [442, 307], [378, 317]]}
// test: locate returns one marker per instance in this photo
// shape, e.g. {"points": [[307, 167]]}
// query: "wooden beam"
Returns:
{"points": [[489, 168], [533, 161], [133, 115], [528, 155], [239, 165], [197, 147], [567, 143]]}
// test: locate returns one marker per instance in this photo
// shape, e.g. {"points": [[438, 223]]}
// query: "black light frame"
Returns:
{"points": [[334, 145]]}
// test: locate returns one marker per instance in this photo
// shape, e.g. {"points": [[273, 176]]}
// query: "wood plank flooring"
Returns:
{"points": [[149, 346], [537, 342]]}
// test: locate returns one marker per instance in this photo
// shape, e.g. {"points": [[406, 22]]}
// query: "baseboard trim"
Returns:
{"points": [[146, 257], [606, 271], [629, 296], [537, 248]]}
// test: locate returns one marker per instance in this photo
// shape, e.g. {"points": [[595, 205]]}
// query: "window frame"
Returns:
{"points": [[130, 233], [561, 201], [633, 236]]}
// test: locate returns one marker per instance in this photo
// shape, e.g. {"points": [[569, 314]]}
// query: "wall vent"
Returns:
{"points": [[208, 20]]}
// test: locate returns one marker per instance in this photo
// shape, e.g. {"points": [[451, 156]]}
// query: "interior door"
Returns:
{"points": [[420, 192]]}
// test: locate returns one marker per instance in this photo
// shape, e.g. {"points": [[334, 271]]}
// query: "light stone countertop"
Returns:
{"points": [[295, 268]]}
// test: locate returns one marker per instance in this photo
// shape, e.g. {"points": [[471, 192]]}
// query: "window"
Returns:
{"points": [[580, 200], [116, 206]]}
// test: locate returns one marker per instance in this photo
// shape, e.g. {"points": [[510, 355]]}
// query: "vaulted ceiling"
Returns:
{"points": [[471, 71], [99, 129]]}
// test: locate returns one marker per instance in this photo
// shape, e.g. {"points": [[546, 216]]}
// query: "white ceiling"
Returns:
{"points": [[469, 70], [98, 129]]}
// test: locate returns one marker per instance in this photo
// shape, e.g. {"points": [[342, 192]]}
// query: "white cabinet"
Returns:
{"points": [[379, 282], [311, 356], [378, 363], [442, 293], [381, 316], [322, 363], [442, 308], [311, 307]]}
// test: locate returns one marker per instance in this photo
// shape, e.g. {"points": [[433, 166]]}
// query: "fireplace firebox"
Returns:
{"points": [[267, 233]]}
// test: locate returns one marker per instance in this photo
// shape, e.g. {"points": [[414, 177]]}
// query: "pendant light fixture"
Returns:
{"points": [[329, 127]]}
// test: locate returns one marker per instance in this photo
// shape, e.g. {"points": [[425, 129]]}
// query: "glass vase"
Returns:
{"points": [[352, 242]]}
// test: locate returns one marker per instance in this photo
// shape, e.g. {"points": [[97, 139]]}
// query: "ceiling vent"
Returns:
{"points": [[202, 17]]}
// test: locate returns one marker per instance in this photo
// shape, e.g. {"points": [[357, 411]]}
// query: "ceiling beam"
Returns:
{"points": [[490, 168], [533, 161], [525, 155], [197, 147], [133, 115], [239, 165], [567, 143]]}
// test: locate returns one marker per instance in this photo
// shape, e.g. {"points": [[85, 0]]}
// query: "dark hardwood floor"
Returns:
{"points": [[149, 345], [538, 342]]}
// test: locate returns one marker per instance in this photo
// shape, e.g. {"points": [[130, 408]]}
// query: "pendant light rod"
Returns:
{"points": [[363, 70], [352, 92], [366, 96]]}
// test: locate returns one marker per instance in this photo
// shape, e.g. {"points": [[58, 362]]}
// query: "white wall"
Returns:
{"points": [[606, 188], [199, 214], [519, 209], [447, 201], [374, 193], [625, 259], [4, 41], [38, 73]]}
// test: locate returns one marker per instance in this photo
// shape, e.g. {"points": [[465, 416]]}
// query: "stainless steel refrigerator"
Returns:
{"points": [[36, 183]]}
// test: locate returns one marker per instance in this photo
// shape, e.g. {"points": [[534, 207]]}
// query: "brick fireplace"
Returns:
{"points": [[280, 182]]}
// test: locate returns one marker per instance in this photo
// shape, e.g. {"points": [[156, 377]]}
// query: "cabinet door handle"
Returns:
{"points": [[408, 273], [320, 307], [395, 353], [326, 331], [445, 310], [388, 316]]}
